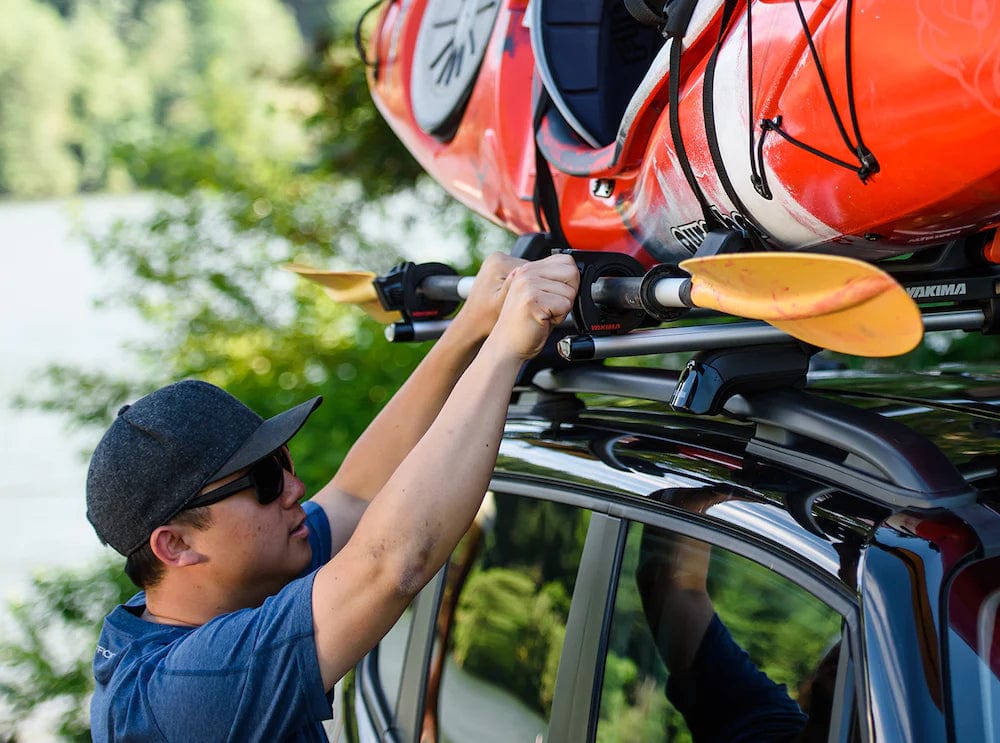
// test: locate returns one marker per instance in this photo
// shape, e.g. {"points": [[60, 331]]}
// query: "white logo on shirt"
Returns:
{"points": [[105, 652]]}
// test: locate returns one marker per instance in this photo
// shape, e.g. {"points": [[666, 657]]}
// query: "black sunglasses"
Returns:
{"points": [[266, 476]]}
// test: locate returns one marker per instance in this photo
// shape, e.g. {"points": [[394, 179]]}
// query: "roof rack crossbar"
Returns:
{"points": [[884, 458], [646, 384], [859, 450], [678, 338]]}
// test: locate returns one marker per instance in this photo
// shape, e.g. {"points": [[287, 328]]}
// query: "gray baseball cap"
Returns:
{"points": [[163, 449]]}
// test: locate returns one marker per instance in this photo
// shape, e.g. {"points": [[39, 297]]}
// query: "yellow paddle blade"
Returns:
{"points": [[888, 324], [833, 302], [348, 287]]}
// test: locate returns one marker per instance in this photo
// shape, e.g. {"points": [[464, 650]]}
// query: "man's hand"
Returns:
{"points": [[482, 307], [406, 418], [539, 296]]}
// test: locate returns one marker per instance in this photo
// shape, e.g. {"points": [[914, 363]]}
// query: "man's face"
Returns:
{"points": [[254, 550]]}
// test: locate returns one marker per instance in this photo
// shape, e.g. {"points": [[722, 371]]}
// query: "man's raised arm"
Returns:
{"points": [[406, 417], [429, 501]]}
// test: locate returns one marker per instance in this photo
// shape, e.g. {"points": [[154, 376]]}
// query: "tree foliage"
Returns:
{"points": [[81, 78], [266, 149], [36, 81], [49, 660]]}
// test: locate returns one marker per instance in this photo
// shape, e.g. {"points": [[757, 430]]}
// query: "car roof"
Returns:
{"points": [[609, 434]]}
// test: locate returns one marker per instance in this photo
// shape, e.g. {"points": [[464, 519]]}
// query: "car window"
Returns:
{"points": [[707, 645], [974, 651], [391, 652], [502, 621]]}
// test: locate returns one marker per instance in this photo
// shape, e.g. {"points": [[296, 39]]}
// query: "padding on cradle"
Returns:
{"points": [[591, 56]]}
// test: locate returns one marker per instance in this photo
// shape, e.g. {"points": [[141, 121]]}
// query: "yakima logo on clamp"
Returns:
{"points": [[949, 291]]}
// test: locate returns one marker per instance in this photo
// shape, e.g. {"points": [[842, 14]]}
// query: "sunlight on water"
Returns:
{"points": [[47, 287]]}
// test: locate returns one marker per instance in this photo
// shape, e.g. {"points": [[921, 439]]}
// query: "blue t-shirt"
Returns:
{"points": [[725, 698], [251, 675]]}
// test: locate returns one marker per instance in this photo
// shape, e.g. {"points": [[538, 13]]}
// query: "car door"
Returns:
{"points": [[536, 629], [485, 638]]}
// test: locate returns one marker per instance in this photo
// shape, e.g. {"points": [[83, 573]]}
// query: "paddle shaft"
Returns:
{"points": [[624, 293], [620, 293], [617, 292], [446, 287]]}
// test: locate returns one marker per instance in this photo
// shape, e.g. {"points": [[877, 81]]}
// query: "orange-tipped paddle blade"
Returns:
{"points": [[842, 304], [888, 324], [348, 287]]}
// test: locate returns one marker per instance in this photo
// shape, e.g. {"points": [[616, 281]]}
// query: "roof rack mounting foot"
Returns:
{"points": [[712, 377]]}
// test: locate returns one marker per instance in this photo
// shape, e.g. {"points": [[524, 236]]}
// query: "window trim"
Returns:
{"points": [[409, 713], [372, 696], [609, 612], [586, 638], [842, 715]]}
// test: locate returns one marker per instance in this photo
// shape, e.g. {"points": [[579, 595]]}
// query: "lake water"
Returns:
{"points": [[48, 284]]}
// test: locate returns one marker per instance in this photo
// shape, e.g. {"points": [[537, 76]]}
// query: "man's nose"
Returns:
{"points": [[293, 491]]}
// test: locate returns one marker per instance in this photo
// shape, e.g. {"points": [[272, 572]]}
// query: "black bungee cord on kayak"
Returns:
{"points": [[866, 165]]}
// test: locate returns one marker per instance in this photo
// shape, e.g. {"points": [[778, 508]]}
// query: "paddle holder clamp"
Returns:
{"points": [[401, 290], [616, 293]]}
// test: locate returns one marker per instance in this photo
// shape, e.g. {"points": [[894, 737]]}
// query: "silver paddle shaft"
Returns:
{"points": [[446, 288], [621, 293], [624, 293]]}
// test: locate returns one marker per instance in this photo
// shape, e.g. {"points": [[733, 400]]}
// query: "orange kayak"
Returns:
{"points": [[868, 129]]}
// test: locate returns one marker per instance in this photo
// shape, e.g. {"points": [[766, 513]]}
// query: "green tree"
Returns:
{"points": [[111, 100], [47, 663], [82, 78], [36, 81]]}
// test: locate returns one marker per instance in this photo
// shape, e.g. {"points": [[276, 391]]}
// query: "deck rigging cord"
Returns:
{"points": [[866, 165]]}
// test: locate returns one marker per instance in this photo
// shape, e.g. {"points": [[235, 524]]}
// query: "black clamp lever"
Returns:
{"points": [[617, 294], [404, 289]]}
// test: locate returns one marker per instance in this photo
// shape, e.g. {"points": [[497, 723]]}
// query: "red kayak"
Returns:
{"points": [[868, 129]]}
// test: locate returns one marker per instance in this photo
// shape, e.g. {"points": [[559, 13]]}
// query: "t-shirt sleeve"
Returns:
{"points": [[249, 675], [319, 535], [725, 697]]}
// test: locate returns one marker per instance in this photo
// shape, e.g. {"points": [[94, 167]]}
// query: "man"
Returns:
{"points": [[712, 681], [227, 641]]}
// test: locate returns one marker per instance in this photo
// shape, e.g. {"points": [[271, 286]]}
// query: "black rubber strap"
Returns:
{"points": [[675, 29], [358, 43], [712, 134], [544, 198], [867, 165], [642, 12]]}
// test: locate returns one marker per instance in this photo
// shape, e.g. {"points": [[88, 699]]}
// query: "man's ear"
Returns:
{"points": [[170, 545]]}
